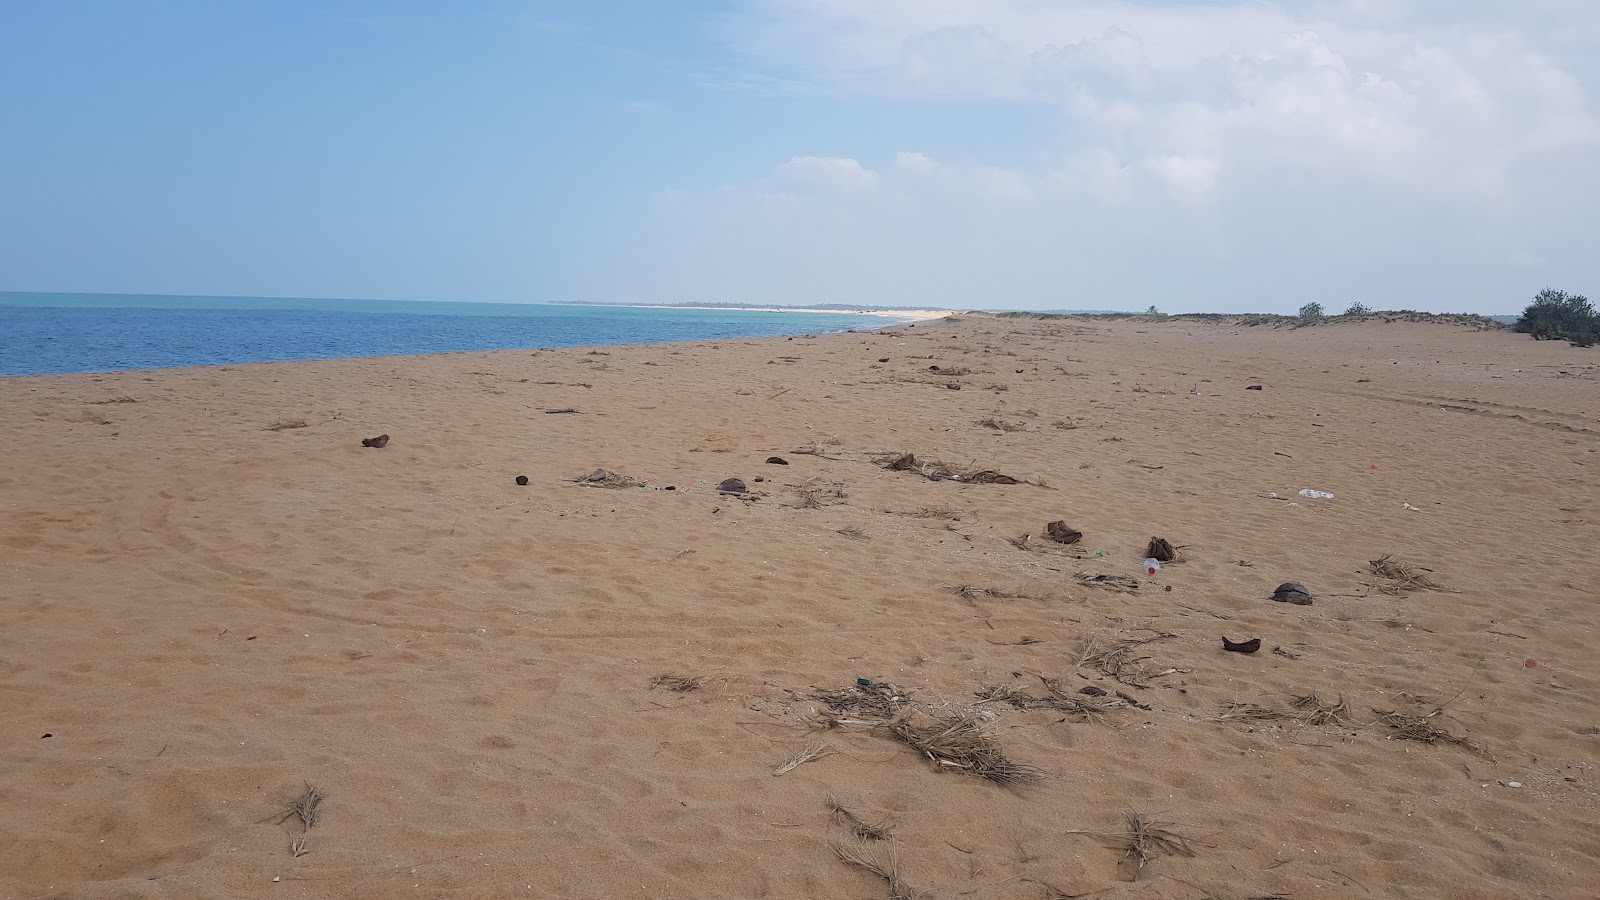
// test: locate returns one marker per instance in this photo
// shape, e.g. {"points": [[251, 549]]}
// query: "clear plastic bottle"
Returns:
{"points": [[1152, 565]]}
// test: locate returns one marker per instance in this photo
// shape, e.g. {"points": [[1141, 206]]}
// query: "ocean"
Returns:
{"points": [[55, 333]]}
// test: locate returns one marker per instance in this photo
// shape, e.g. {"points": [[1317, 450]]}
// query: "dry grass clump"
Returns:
{"points": [[1316, 711], [971, 592], [1143, 840], [856, 825], [1121, 584], [1402, 577], [1303, 708], [879, 700], [1404, 727], [607, 479], [935, 512], [286, 425], [816, 494], [1085, 707], [802, 756], [306, 809], [681, 684], [1001, 424], [882, 860], [1120, 660], [1251, 712], [959, 742]]}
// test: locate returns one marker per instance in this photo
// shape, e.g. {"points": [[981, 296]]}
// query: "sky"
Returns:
{"points": [[1193, 155]]}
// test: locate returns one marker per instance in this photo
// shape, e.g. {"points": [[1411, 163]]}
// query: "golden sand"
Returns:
{"points": [[207, 615]]}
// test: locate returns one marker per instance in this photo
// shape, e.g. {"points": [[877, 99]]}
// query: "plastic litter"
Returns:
{"points": [[1407, 505], [1151, 565], [1316, 495]]}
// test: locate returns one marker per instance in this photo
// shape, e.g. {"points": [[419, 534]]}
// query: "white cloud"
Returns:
{"points": [[828, 172], [1402, 152], [1416, 90]]}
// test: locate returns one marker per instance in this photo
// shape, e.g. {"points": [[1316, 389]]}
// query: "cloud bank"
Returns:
{"points": [[1194, 155]]}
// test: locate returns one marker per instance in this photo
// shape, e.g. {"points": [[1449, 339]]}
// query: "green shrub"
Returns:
{"points": [[1358, 309], [1311, 311], [1559, 316]]}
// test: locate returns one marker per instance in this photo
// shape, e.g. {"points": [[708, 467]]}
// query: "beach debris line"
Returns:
{"points": [[1292, 592], [381, 440], [1141, 841], [1250, 646], [1060, 532]]}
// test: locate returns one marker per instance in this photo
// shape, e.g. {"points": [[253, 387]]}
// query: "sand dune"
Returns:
{"points": [[205, 616]]}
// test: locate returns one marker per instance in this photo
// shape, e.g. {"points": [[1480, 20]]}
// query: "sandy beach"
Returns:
{"points": [[214, 597]]}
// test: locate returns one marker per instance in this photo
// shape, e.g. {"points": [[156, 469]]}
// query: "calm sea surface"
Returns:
{"points": [[52, 333]]}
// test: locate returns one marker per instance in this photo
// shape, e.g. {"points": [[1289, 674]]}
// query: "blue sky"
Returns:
{"points": [[1191, 154]]}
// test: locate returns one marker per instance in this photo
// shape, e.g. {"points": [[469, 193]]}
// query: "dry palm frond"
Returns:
{"points": [[802, 756], [856, 825], [883, 862], [878, 699], [1121, 584], [1021, 543], [1405, 727], [959, 742], [1402, 577], [1142, 840], [1317, 711], [1118, 660], [682, 684], [1251, 712], [934, 512]]}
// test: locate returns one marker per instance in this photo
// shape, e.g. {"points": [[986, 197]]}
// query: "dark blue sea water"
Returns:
{"points": [[52, 333]]}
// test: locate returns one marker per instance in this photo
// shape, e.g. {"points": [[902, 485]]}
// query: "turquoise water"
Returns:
{"points": [[54, 333]]}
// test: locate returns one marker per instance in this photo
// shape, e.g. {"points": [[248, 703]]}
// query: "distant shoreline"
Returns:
{"points": [[919, 314]]}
